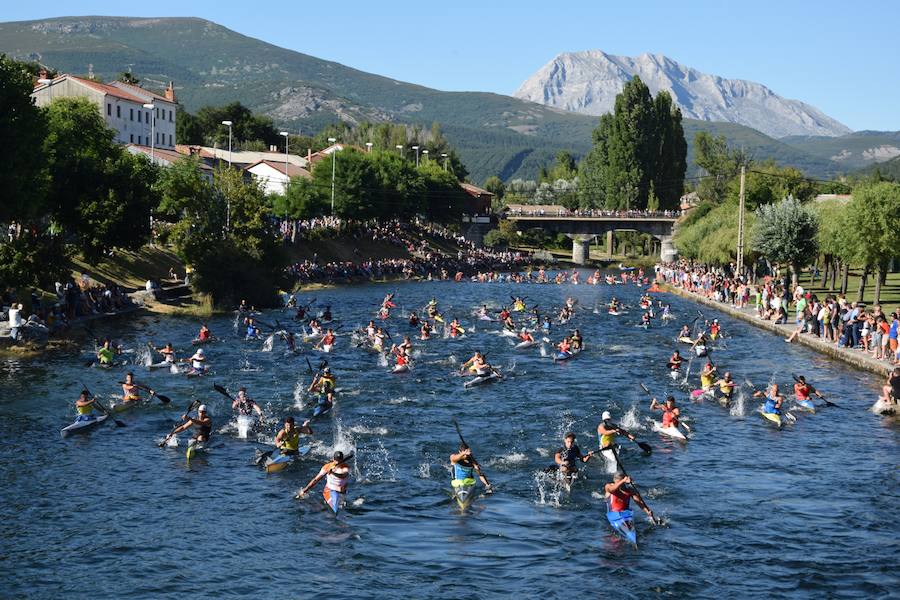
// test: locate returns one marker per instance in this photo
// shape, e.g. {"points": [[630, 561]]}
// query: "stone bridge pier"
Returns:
{"points": [[581, 248]]}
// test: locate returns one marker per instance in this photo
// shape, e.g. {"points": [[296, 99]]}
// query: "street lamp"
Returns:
{"points": [[151, 108], [400, 148], [416, 148], [333, 164], [444, 156], [286, 138], [425, 158], [229, 124], [368, 146]]}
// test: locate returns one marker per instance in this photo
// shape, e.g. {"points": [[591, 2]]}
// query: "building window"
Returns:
{"points": [[147, 117], [118, 111], [132, 138], [170, 136], [171, 112], [109, 110], [139, 115], [131, 115]]}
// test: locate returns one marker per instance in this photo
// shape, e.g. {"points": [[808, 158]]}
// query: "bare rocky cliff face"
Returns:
{"points": [[587, 82]]}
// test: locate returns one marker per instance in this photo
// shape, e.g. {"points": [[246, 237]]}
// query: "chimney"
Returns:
{"points": [[170, 92]]}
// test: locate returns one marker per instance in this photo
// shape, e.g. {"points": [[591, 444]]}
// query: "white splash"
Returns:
{"points": [[267, 345]]}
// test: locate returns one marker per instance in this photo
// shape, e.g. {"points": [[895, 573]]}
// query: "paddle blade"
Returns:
{"points": [[646, 389], [119, 423], [645, 447], [163, 398]]}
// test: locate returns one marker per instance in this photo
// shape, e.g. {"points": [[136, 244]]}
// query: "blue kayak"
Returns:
{"points": [[333, 499], [623, 523], [322, 407]]}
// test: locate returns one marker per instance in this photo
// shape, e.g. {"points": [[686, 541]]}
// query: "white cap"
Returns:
{"points": [[606, 415], [202, 408], [200, 351]]}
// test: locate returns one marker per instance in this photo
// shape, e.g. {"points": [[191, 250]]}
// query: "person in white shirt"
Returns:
{"points": [[15, 320]]}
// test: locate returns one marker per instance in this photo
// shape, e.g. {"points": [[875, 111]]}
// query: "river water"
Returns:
{"points": [[750, 511]]}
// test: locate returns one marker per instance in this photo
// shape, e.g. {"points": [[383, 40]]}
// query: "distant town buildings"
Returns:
{"points": [[138, 116], [275, 176]]}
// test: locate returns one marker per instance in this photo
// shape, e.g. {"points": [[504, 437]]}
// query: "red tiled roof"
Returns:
{"points": [[166, 154], [107, 89], [125, 86], [474, 190], [185, 149]]}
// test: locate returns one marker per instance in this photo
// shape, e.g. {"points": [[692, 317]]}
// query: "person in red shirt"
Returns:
{"points": [[620, 492]]}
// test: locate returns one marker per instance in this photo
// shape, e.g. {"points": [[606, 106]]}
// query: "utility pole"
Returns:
{"points": [[740, 246]]}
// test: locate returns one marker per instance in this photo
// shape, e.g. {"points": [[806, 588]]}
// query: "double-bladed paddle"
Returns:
{"points": [[102, 408], [813, 390]]}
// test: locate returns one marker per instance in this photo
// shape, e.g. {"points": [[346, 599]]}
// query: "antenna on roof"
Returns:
{"points": [[91, 71]]}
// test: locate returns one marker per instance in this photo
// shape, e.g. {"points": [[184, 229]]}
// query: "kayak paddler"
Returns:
{"points": [[323, 384], [455, 329], [577, 341], [205, 334], [252, 329], [326, 314], [525, 336], [85, 406], [675, 361], [707, 376], [565, 346], [619, 493], [802, 391], [774, 400], [426, 330], [327, 341], [244, 404], [465, 467], [607, 431], [130, 390], [337, 474], [288, 438], [106, 354], [476, 364], [671, 413], [568, 456], [198, 362], [203, 423], [726, 387]]}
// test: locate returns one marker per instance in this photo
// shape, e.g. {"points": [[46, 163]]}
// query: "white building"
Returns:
{"points": [[273, 175], [122, 107], [242, 159]]}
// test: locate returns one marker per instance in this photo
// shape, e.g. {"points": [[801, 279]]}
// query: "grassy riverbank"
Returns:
{"points": [[890, 291]]}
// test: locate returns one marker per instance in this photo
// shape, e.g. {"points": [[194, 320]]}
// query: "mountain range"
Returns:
{"points": [[588, 82], [495, 134]]}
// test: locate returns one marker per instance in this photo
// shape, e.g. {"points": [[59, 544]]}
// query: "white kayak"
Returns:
{"points": [[161, 365], [672, 432], [482, 379], [885, 408], [245, 424], [82, 425], [525, 345], [327, 347], [400, 369], [508, 333]]}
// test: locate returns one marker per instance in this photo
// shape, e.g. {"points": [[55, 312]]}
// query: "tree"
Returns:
{"points": [[495, 185], [709, 233], [303, 200], [872, 218], [640, 143], [188, 129], [833, 238], [128, 77], [785, 234], [719, 162], [356, 184], [22, 129], [100, 196], [33, 259], [180, 187], [444, 198]]}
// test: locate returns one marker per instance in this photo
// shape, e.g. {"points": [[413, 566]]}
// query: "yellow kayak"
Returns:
{"points": [[775, 418]]}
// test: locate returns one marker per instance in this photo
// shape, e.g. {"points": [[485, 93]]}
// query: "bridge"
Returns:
{"points": [[584, 229]]}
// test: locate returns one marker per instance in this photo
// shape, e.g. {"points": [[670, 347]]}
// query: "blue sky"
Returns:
{"points": [[841, 57]]}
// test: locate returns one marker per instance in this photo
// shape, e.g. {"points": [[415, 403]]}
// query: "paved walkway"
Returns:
{"points": [[857, 358]]}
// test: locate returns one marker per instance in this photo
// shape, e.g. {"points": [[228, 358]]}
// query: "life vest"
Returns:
{"points": [[326, 384], [801, 390], [462, 472], [290, 442], [334, 481], [619, 500], [669, 419]]}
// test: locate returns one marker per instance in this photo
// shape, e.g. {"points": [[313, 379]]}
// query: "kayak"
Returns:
{"points": [[674, 374], [672, 432], [282, 461], [508, 333], [83, 425], [526, 345], [807, 405], [773, 417], [327, 347], [614, 313], [700, 350], [481, 379], [323, 407], [484, 318], [885, 408], [333, 499], [195, 448], [464, 494], [685, 340], [199, 342], [161, 365], [561, 356], [245, 424], [123, 406], [623, 524], [707, 392], [400, 369]]}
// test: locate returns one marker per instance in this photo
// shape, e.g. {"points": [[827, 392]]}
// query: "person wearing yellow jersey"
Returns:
{"points": [[288, 439], [106, 354], [707, 376], [726, 388], [607, 431], [85, 406]]}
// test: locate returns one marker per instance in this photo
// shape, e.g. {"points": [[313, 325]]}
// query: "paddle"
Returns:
{"points": [[649, 393], [102, 408], [222, 391], [183, 421], [488, 489], [818, 395], [309, 366], [162, 397], [656, 520]]}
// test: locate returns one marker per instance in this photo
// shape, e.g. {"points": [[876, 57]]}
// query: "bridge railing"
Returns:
{"points": [[593, 214]]}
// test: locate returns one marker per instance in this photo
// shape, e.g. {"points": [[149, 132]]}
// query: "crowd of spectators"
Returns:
{"points": [[593, 212], [831, 318], [426, 259]]}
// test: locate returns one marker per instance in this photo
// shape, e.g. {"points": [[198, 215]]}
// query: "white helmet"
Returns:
{"points": [[202, 408], [199, 351], [605, 416]]}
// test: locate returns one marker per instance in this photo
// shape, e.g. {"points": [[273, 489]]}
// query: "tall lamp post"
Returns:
{"points": [[333, 164], [444, 156], [425, 155], [286, 138], [400, 148], [368, 146], [416, 148], [152, 109], [228, 124]]}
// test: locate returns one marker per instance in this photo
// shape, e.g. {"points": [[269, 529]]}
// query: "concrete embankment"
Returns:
{"points": [[856, 358]]}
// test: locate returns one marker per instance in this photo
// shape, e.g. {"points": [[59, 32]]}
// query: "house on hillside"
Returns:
{"points": [[275, 176], [315, 157], [138, 116]]}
